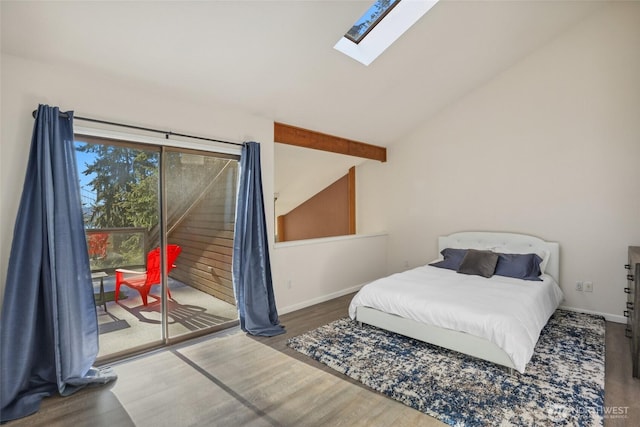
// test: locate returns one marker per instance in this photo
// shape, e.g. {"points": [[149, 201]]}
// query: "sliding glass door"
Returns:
{"points": [[146, 207], [200, 200]]}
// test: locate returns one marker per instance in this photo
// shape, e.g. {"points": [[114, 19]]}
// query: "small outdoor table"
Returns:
{"points": [[100, 275]]}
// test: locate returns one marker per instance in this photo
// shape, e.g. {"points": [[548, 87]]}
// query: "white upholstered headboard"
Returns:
{"points": [[509, 242]]}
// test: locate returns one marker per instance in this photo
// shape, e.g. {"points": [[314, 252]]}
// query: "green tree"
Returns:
{"points": [[126, 186]]}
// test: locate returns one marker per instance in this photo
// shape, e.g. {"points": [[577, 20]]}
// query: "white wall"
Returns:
{"points": [[550, 147], [333, 267], [25, 84]]}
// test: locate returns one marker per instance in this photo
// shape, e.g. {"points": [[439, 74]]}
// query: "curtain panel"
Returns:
{"points": [[49, 329], [252, 279]]}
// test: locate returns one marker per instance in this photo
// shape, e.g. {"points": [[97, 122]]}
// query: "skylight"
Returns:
{"points": [[370, 19], [381, 25]]}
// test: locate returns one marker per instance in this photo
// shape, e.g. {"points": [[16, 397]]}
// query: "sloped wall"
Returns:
{"points": [[324, 215]]}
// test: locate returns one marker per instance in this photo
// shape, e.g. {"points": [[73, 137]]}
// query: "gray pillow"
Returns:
{"points": [[479, 263]]}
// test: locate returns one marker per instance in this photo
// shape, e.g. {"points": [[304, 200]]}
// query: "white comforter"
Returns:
{"points": [[508, 312]]}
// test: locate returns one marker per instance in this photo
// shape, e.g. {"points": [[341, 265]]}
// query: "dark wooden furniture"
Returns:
{"points": [[632, 311]]}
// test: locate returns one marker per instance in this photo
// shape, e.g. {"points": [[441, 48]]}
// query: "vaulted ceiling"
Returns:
{"points": [[276, 58]]}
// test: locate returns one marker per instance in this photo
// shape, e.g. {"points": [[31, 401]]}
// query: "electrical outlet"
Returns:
{"points": [[588, 286], [579, 286], [289, 284]]}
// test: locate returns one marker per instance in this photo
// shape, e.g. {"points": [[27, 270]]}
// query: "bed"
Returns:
{"points": [[494, 318]]}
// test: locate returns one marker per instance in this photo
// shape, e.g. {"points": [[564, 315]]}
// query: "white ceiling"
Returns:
{"points": [[276, 59]]}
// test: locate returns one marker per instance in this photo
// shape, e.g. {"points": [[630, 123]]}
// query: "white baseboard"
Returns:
{"points": [[320, 299], [609, 317]]}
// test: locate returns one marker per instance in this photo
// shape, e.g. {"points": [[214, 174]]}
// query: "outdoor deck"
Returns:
{"points": [[129, 324]]}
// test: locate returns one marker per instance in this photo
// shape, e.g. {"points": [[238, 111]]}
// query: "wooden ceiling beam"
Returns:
{"points": [[292, 135]]}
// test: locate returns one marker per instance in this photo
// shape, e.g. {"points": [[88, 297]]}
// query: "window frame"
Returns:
{"points": [[373, 24], [395, 23]]}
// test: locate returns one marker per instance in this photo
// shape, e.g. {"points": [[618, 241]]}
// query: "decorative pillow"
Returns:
{"points": [[452, 259], [519, 266], [479, 263], [542, 253]]}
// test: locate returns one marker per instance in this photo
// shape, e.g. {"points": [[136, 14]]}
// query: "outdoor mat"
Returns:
{"points": [[116, 325], [109, 296], [563, 383]]}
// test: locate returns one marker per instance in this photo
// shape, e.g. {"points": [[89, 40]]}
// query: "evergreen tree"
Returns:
{"points": [[125, 182], [126, 186]]}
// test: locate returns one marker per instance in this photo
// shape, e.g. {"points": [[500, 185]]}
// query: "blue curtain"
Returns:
{"points": [[252, 280], [49, 330]]}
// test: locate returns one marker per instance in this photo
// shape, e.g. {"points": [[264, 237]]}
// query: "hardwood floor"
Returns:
{"points": [[232, 379], [621, 390]]}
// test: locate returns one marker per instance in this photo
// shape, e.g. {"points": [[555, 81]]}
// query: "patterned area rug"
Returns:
{"points": [[563, 383]]}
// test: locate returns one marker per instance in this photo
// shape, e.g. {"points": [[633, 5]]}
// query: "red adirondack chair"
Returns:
{"points": [[142, 281]]}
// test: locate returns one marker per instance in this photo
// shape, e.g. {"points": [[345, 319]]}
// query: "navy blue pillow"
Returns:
{"points": [[452, 259], [519, 266]]}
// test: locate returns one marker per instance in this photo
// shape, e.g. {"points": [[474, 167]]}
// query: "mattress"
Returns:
{"points": [[508, 312]]}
